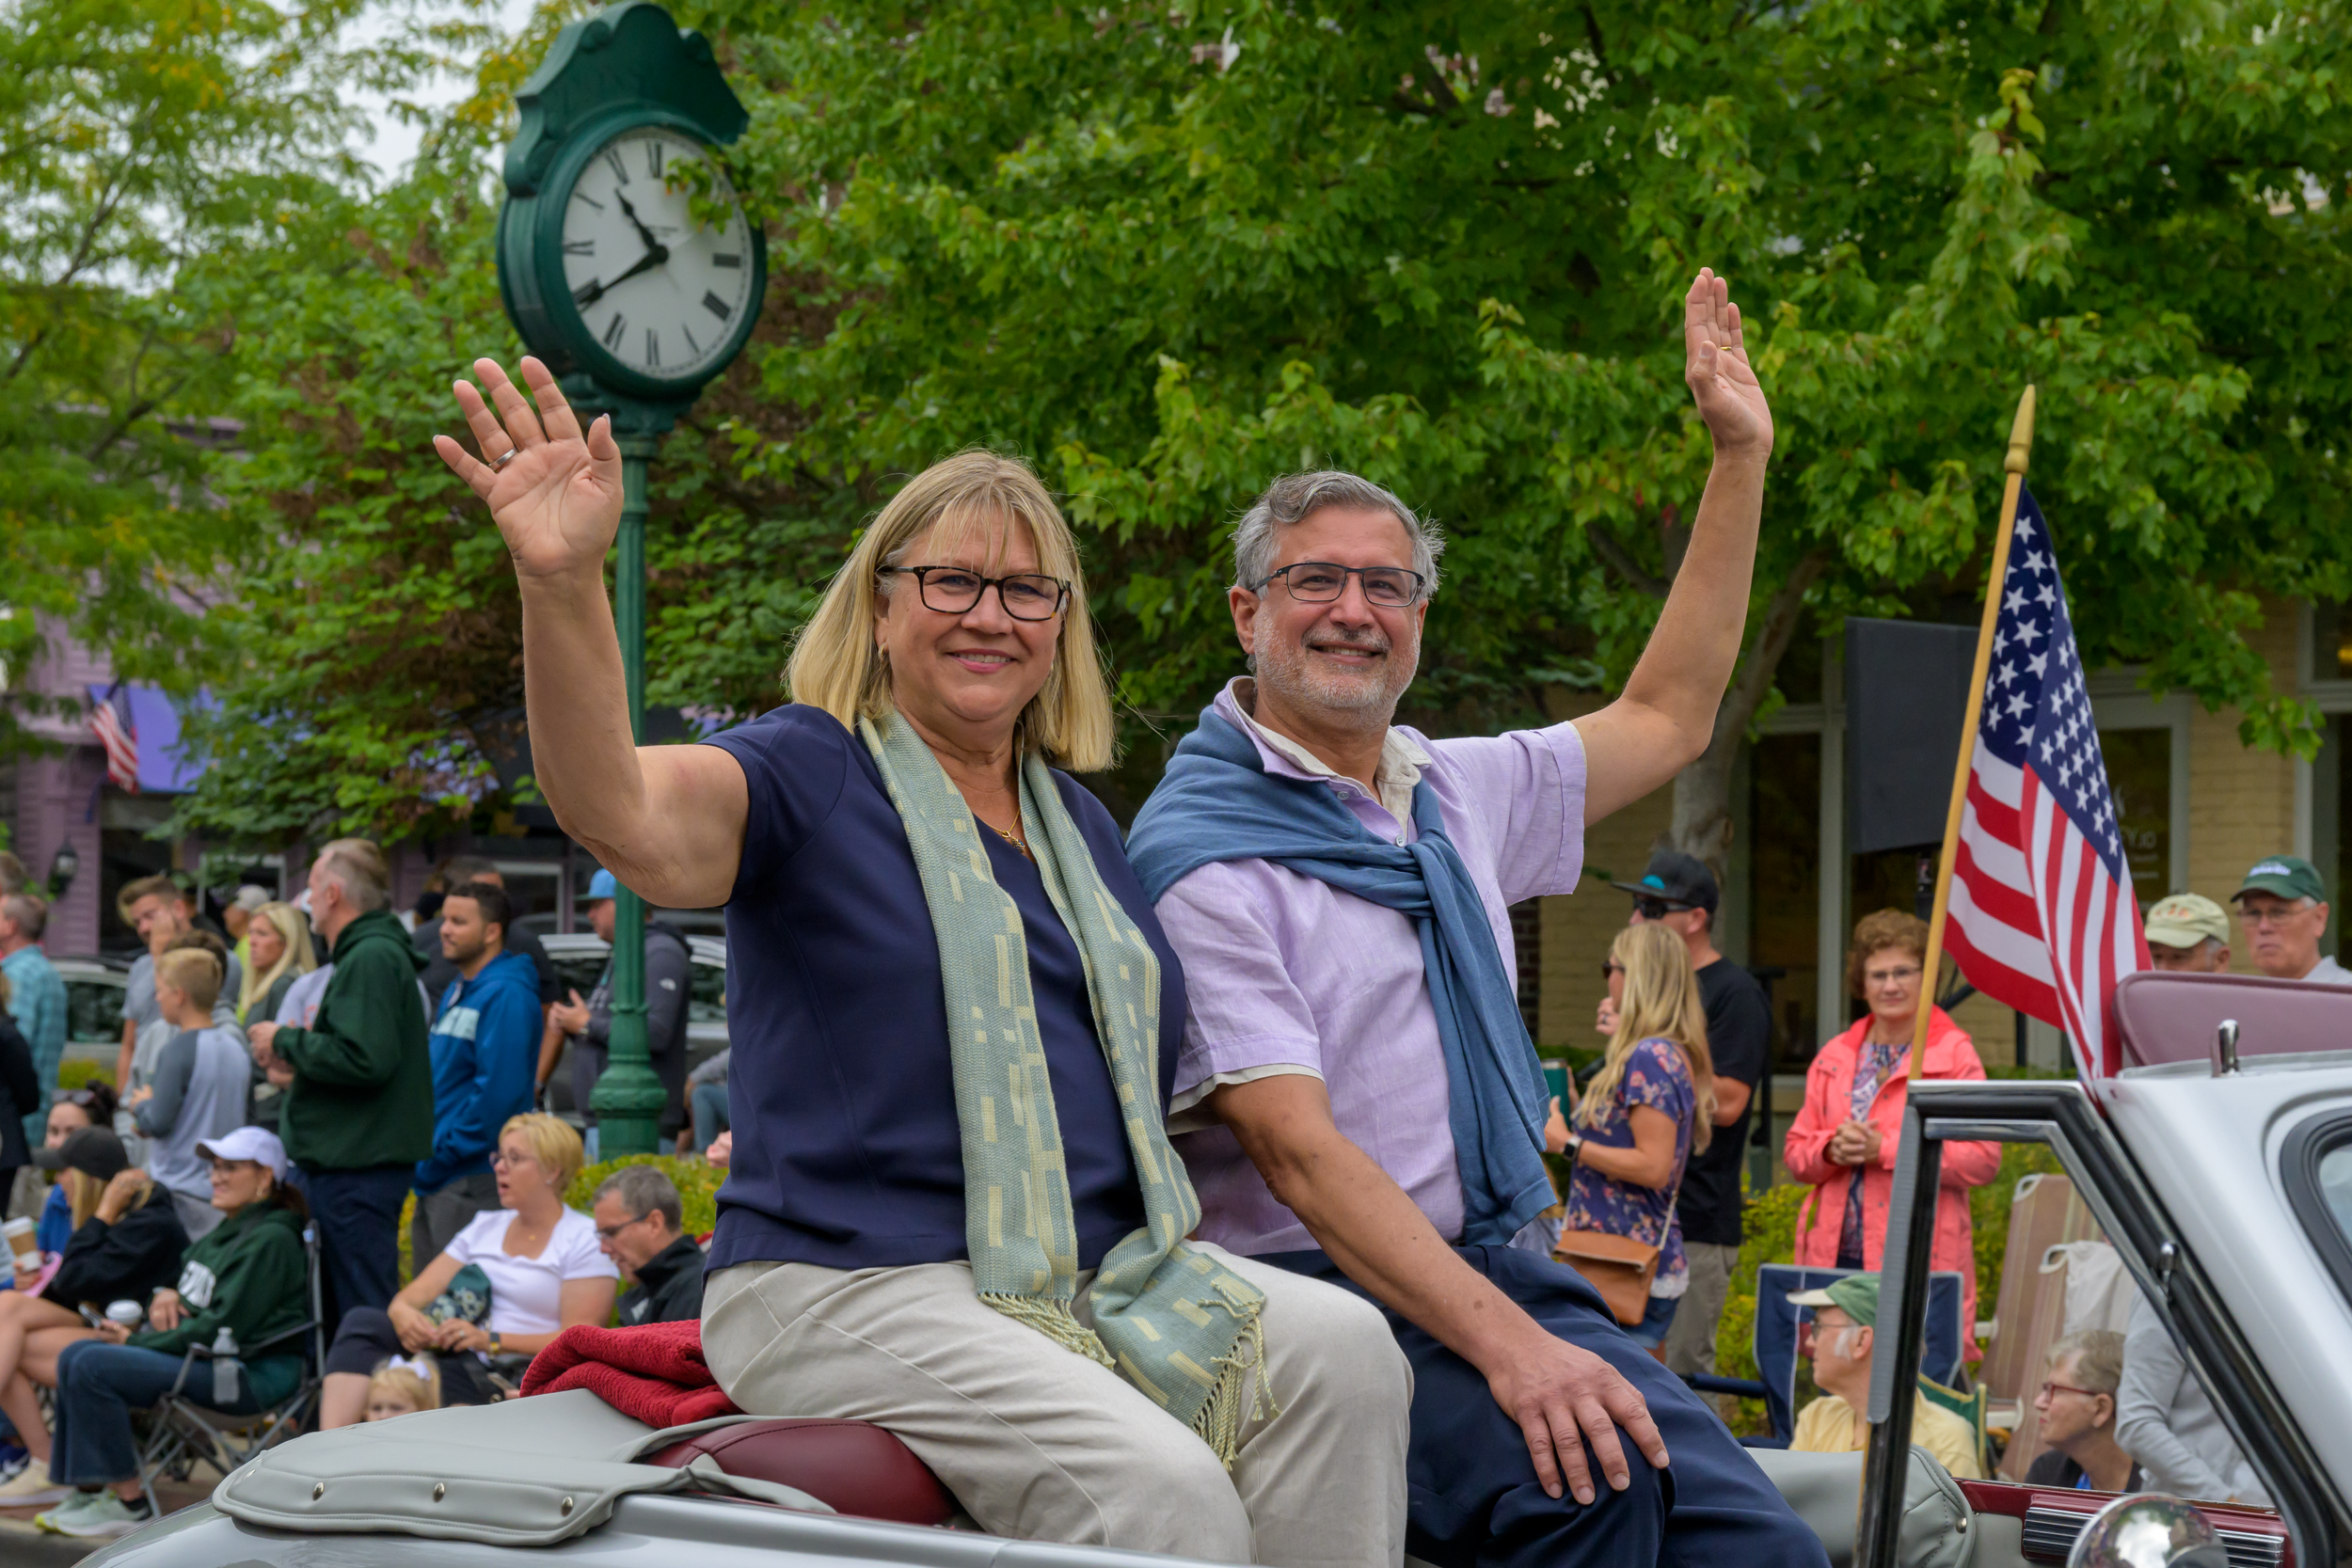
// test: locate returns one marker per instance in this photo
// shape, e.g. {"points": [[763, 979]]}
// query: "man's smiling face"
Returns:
{"points": [[1347, 655]]}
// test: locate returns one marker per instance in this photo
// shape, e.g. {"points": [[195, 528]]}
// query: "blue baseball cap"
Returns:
{"points": [[603, 885]]}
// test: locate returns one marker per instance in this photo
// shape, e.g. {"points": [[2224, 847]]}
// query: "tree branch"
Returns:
{"points": [[1614, 555]]}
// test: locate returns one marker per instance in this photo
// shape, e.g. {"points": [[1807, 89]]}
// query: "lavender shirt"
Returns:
{"points": [[1285, 973]]}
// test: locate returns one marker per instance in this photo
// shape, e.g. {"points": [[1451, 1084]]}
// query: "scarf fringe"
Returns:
{"points": [[1052, 1319], [1243, 1392]]}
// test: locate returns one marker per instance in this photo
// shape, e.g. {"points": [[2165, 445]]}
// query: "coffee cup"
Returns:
{"points": [[127, 1313], [21, 1242]]}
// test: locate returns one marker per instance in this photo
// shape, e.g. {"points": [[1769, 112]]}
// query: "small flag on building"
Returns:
{"points": [[110, 720], [2041, 916]]}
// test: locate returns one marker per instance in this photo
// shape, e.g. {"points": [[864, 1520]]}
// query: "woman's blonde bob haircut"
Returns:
{"points": [[553, 1142], [836, 666]]}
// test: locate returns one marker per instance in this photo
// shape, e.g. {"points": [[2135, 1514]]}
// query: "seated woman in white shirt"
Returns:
{"points": [[546, 1272]]}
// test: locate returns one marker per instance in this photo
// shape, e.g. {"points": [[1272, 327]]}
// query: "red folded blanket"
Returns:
{"points": [[654, 1373]]}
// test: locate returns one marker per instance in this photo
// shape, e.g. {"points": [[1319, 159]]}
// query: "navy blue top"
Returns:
{"points": [[848, 1152]]}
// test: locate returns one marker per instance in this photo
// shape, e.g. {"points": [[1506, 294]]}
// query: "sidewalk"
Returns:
{"points": [[23, 1547]]}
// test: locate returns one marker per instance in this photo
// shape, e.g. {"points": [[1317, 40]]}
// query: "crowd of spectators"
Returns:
{"points": [[287, 1081]]}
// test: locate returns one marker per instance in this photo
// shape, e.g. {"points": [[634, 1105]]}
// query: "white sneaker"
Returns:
{"points": [[32, 1486], [96, 1514]]}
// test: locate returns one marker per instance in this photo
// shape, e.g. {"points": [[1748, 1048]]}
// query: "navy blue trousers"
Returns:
{"points": [[1472, 1497], [358, 1213]]}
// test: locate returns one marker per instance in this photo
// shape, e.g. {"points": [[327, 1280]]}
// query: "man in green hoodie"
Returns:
{"points": [[359, 1081]]}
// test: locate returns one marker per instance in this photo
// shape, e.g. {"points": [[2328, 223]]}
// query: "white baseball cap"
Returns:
{"points": [[257, 1144]]}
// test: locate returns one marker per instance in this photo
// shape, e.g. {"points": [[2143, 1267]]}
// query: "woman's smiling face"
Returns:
{"points": [[972, 672]]}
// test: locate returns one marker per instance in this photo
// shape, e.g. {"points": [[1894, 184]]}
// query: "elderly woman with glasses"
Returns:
{"points": [[951, 1208], [1844, 1141]]}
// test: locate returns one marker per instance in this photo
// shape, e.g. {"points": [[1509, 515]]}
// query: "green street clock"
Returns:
{"points": [[624, 254], [627, 264]]}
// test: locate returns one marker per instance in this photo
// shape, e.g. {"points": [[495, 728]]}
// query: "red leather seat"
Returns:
{"points": [[853, 1467]]}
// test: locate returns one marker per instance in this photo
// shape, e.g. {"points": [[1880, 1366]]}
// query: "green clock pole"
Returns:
{"points": [[628, 1098], [626, 69]]}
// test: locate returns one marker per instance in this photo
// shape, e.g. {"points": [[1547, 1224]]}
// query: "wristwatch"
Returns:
{"points": [[498, 1346], [1576, 1142]]}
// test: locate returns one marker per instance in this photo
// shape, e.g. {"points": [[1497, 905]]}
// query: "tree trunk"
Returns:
{"points": [[1702, 799]]}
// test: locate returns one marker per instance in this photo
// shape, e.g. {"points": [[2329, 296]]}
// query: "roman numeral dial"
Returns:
{"points": [[657, 289]]}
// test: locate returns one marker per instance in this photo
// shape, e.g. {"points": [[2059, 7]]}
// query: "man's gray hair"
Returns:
{"points": [[1293, 498], [357, 866], [27, 912], [643, 1190]]}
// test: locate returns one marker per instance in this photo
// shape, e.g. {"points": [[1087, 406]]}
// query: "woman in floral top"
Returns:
{"points": [[1648, 1109]]}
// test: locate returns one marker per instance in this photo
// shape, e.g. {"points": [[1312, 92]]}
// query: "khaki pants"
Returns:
{"points": [[1689, 1347], [1041, 1444]]}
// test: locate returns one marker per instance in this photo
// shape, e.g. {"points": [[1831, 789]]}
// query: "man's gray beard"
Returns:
{"points": [[1291, 670]]}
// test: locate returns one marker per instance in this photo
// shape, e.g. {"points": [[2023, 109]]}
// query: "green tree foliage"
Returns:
{"points": [[149, 146], [1169, 251]]}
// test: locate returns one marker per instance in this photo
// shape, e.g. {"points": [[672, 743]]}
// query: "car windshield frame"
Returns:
{"points": [[2060, 1115], [2307, 1148]]}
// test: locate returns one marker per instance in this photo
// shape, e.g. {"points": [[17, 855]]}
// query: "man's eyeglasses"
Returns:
{"points": [[606, 1232], [953, 591], [2269, 914], [1321, 581], [1659, 908]]}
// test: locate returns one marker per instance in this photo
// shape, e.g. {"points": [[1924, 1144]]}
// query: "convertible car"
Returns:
{"points": [[2218, 1166]]}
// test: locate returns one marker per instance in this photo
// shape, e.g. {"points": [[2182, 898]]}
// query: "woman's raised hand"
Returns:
{"points": [[1716, 367], [558, 500]]}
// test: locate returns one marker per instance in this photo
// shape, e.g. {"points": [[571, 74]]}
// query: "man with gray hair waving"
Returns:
{"points": [[1361, 1098]]}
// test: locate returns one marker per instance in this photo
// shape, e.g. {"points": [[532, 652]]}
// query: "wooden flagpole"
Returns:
{"points": [[2020, 448]]}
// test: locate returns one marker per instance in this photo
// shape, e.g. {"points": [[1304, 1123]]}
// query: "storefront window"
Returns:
{"points": [[2139, 771]]}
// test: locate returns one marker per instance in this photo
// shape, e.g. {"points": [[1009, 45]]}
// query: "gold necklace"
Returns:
{"points": [[1012, 838]]}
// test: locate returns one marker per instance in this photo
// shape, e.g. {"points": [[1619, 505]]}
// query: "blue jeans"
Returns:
{"points": [[99, 1385], [358, 1213], [711, 1114], [1473, 1499], [1656, 1319]]}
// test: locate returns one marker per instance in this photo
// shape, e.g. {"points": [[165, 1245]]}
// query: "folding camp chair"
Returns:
{"points": [[1778, 1320], [182, 1431]]}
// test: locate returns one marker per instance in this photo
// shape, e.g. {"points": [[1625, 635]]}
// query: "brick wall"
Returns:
{"points": [[2241, 801]]}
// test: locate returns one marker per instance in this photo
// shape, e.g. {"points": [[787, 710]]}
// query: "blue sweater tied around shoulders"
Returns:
{"points": [[1217, 803]]}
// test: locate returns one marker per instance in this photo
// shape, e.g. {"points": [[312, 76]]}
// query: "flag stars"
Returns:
{"points": [[2015, 604]]}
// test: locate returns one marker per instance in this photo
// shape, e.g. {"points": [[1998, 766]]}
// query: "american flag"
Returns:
{"points": [[2041, 916], [110, 720]]}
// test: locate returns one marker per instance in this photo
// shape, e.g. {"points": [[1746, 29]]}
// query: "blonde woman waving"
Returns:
{"points": [[1650, 1107]]}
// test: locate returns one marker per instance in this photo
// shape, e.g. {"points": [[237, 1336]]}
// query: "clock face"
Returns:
{"points": [[664, 295]]}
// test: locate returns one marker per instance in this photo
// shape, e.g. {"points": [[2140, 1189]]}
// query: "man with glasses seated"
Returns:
{"points": [[1358, 1098], [640, 1221], [2283, 906], [1845, 1331]]}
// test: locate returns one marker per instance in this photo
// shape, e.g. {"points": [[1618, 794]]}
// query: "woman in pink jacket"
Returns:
{"points": [[1844, 1140]]}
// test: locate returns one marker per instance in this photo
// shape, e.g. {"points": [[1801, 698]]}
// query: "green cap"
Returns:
{"points": [[1856, 1295], [2287, 876]]}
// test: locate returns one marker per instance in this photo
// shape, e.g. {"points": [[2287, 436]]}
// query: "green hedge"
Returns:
{"points": [[81, 1074]]}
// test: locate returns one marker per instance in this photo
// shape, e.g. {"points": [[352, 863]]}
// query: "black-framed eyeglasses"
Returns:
{"points": [[953, 591], [1659, 908], [1610, 966], [1321, 581], [606, 1232]]}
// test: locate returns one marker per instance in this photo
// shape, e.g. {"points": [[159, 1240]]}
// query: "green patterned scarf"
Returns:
{"points": [[1166, 1318]]}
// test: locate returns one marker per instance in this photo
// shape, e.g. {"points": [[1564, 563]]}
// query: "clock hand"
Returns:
{"points": [[642, 232], [596, 289]]}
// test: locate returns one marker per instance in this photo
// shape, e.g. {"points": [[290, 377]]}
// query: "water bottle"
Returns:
{"points": [[228, 1374]]}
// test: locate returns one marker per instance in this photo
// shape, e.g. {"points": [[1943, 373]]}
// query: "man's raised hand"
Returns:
{"points": [[558, 500], [1730, 399]]}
